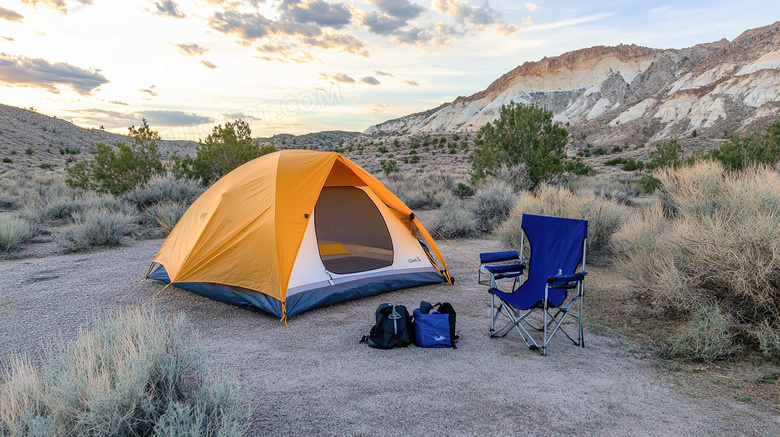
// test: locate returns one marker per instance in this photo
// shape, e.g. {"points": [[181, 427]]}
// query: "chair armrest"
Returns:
{"points": [[492, 257], [504, 269], [559, 280]]}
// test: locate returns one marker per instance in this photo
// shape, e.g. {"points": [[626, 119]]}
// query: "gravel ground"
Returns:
{"points": [[313, 378]]}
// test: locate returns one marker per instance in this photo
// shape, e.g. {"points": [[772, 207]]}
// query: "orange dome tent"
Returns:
{"points": [[296, 230]]}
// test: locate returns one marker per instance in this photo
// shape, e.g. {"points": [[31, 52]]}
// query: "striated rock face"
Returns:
{"points": [[629, 94]]}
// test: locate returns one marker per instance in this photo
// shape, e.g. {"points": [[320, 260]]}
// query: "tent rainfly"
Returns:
{"points": [[296, 230]]}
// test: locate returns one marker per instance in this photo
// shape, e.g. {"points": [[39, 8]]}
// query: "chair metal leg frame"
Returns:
{"points": [[517, 321]]}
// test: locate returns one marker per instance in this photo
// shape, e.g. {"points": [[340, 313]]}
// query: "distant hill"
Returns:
{"points": [[30, 139], [627, 94]]}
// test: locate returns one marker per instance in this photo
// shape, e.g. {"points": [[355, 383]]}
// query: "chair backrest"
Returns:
{"points": [[557, 244]]}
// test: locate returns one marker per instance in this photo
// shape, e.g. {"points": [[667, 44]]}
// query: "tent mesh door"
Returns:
{"points": [[351, 232]]}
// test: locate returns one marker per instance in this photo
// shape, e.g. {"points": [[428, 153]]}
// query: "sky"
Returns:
{"points": [[301, 66]]}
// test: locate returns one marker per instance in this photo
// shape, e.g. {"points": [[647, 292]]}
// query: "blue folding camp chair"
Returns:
{"points": [[558, 247]]}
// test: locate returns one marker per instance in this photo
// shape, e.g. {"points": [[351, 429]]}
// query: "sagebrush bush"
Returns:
{"points": [[717, 236], [137, 373], [454, 220], [606, 186], [165, 187], [96, 227], [604, 216], [492, 203], [166, 214], [14, 232], [769, 339], [706, 337], [421, 190]]}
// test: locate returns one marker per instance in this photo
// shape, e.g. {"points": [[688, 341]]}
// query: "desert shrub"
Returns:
{"points": [[453, 219], [769, 339], [166, 214], [604, 216], [577, 166], [137, 373], [224, 149], [165, 187], [515, 175], [632, 165], [120, 168], [425, 190], [667, 154], [521, 134], [389, 166], [463, 190], [713, 235], [706, 337], [96, 227], [492, 203], [606, 186], [756, 148], [14, 232]]}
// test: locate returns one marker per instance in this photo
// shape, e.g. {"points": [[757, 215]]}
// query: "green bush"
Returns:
{"points": [[706, 337], [137, 373], [389, 166], [521, 134], [95, 228], [224, 149], [463, 190], [121, 170], [578, 167], [604, 216], [14, 232], [492, 203], [47, 165], [166, 214], [8, 160], [599, 151], [632, 165], [160, 188], [741, 152], [667, 154]]}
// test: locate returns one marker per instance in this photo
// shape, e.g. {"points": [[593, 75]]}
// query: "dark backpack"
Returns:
{"points": [[392, 328]]}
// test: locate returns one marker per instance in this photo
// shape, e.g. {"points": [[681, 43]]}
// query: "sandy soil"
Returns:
{"points": [[313, 378]]}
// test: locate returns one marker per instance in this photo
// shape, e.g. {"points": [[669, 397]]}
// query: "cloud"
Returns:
{"points": [[527, 21], [479, 16], [208, 64], [370, 80], [505, 29], [171, 118], [384, 73], [149, 91], [249, 26], [39, 73], [319, 12], [9, 15], [168, 8], [287, 52], [189, 49], [117, 102], [339, 41], [379, 107], [401, 9], [382, 24], [437, 35], [58, 5], [530, 6], [411, 83], [7, 38], [572, 21], [338, 77], [115, 119]]}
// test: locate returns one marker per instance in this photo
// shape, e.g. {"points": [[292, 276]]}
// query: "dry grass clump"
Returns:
{"points": [[706, 337], [713, 237], [136, 374], [492, 204], [14, 232], [454, 219], [606, 186], [165, 187], [95, 228], [604, 216], [421, 190], [166, 214]]}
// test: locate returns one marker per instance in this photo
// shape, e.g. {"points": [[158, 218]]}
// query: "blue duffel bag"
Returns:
{"points": [[434, 325]]}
